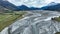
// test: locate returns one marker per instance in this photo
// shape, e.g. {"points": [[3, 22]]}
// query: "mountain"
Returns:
{"points": [[2, 9], [11, 6], [52, 7], [52, 3], [8, 5], [23, 7]]}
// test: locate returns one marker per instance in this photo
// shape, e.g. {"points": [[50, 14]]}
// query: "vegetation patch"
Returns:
{"points": [[56, 19], [57, 33], [7, 19]]}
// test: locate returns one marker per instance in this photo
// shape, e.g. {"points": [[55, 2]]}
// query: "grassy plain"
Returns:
{"points": [[7, 19]]}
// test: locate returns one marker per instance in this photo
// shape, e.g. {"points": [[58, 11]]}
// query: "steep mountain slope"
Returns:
{"points": [[8, 5], [2, 9]]}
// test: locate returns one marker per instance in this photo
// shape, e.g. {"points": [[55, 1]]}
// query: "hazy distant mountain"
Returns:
{"points": [[52, 7], [52, 3], [8, 5], [23, 7]]}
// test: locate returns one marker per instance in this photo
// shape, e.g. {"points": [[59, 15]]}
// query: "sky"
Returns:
{"points": [[33, 3]]}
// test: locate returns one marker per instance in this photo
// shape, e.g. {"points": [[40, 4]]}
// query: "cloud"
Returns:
{"points": [[34, 3], [57, 1]]}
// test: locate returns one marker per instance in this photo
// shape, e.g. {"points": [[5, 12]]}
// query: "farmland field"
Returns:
{"points": [[7, 19]]}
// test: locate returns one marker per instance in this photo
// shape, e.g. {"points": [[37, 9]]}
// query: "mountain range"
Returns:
{"points": [[11, 6], [51, 6], [23, 7], [55, 7]]}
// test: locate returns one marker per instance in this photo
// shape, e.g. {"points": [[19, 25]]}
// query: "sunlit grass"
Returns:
{"points": [[7, 19], [56, 19]]}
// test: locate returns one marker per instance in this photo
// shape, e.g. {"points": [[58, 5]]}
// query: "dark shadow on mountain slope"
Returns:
{"points": [[8, 5]]}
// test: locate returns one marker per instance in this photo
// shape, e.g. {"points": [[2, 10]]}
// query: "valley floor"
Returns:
{"points": [[35, 22], [7, 19]]}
